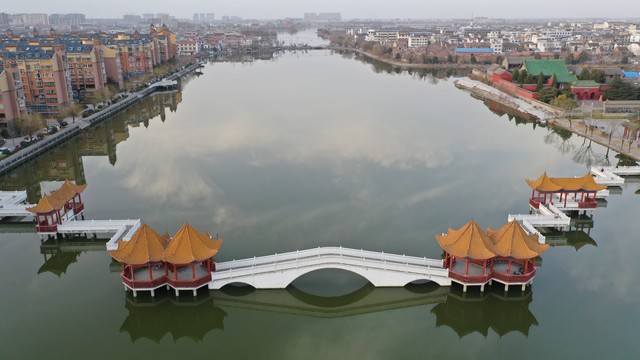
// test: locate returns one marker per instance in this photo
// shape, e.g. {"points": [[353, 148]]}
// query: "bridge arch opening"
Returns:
{"points": [[329, 282], [420, 286], [238, 289]]}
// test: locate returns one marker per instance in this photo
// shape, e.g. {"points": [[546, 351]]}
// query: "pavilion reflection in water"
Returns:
{"points": [[60, 254], [154, 318], [502, 313]]}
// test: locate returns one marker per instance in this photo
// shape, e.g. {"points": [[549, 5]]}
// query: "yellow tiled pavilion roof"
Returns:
{"points": [[57, 198], [585, 182], [46, 205], [544, 183], [189, 245], [145, 246], [547, 184], [512, 241], [470, 241], [69, 189]]}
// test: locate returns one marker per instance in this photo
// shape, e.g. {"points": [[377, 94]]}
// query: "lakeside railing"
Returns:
{"points": [[189, 283], [514, 278], [471, 279], [145, 283]]}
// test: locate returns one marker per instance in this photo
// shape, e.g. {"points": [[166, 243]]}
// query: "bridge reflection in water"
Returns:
{"points": [[154, 318]]}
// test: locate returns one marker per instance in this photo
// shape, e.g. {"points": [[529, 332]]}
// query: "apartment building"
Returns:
{"points": [[12, 103], [42, 76]]}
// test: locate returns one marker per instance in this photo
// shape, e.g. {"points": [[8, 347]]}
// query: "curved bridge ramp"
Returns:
{"points": [[279, 270]]}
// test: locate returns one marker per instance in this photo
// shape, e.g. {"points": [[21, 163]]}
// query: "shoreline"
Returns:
{"points": [[28, 153], [398, 64], [576, 127]]}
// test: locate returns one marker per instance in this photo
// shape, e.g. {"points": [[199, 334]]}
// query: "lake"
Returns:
{"points": [[319, 149]]}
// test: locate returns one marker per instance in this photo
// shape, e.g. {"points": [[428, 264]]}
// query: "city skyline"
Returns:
{"points": [[376, 9]]}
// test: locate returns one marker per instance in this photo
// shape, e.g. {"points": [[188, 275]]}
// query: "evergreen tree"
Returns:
{"points": [[598, 76], [515, 75], [547, 94], [540, 79], [620, 90], [522, 76], [583, 57], [554, 81], [529, 79], [569, 59], [585, 74]]}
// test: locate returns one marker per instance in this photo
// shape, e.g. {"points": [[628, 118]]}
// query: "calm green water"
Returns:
{"points": [[318, 149]]}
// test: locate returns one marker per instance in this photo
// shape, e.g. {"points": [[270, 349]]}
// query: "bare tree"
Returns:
{"points": [[585, 154], [611, 126], [71, 109], [30, 123]]}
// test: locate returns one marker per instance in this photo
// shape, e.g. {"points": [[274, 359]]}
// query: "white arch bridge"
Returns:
{"points": [[279, 270]]}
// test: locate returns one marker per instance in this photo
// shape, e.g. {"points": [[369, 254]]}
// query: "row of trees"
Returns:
{"points": [[571, 59], [523, 77], [596, 75]]}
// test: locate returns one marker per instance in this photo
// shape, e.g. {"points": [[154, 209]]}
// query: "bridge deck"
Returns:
{"points": [[123, 229], [18, 210], [548, 215], [277, 271], [12, 204]]}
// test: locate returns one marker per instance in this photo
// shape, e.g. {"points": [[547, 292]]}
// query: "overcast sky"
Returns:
{"points": [[372, 9]]}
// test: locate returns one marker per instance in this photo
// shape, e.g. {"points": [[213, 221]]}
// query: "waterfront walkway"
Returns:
{"points": [[577, 127], [71, 130], [616, 144], [494, 94]]}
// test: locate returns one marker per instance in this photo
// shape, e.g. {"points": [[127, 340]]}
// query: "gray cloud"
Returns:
{"points": [[349, 8]]}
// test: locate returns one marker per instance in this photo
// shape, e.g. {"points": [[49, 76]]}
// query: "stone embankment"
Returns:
{"points": [[577, 127], [23, 155], [485, 91]]}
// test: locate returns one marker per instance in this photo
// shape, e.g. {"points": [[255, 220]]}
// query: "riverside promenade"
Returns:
{"points": [[577, 127], [50, 141]]}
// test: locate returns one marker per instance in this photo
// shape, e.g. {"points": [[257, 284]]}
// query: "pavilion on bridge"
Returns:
{"points": [[189, 259], [468, 255], [516, 254], [150, 260], [566, 193], [475, 257], [141, 258], [61, 205]]}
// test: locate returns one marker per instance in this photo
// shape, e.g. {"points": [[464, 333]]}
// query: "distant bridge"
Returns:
{"points": [[279, 270]]}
